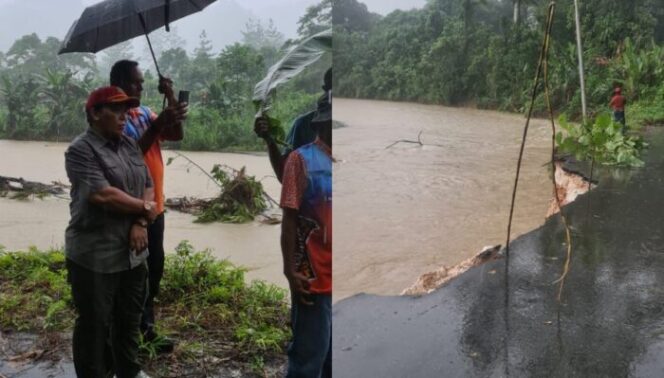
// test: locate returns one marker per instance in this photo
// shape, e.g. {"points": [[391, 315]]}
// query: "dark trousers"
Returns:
{"points": [[310, 352], [620, 118], [155, 269], [106, 332]]}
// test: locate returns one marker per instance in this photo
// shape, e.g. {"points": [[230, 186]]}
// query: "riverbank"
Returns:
{"points": [[569, 186], [221, 323]]}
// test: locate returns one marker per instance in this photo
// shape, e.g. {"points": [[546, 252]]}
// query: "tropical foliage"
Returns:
{"points": [[484, 53], [216, 315], [42, 94], [601, 140]]}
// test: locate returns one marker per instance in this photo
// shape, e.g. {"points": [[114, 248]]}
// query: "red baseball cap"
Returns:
{"points": [[110, 95]]}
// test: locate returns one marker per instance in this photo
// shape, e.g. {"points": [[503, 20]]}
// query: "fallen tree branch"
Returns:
{"points": [[418, 141], [170, 160], [30, 187]]}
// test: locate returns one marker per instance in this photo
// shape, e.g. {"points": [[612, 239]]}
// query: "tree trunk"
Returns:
{"points": [[517, 11]]}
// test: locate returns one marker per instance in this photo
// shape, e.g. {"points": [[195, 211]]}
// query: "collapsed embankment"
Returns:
{"points": [[569, 185]]}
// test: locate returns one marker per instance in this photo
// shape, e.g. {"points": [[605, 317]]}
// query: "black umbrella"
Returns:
{"points": [[113, 21]]}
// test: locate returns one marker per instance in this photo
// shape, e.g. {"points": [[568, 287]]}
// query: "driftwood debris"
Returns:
{"points": [[189, 205], [241, 198], [24, 188], [418, 141], [196, 206]]}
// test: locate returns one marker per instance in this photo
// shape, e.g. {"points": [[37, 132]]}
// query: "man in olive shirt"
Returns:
{"points": [[106, 240]]}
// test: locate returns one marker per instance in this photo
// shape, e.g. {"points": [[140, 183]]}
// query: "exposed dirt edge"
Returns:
{"points": [[431, 281], [569, 185]]}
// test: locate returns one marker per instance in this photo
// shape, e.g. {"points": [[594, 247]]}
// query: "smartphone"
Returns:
{"points": [[183, 96]]}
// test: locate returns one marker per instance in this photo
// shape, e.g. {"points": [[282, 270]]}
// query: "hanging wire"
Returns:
{"points": [[542, 71], [538, 75], [540, 65], [547, 96]]}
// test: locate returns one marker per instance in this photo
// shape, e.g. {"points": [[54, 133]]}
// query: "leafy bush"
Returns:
{"points": [[601, 140], [34, 293], [206, 302]]}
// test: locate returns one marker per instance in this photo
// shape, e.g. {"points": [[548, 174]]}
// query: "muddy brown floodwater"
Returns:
{"points": [[42, 223], [409, 209]]}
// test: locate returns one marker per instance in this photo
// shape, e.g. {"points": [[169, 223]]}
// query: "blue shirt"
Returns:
{"points": [[301, 133]]}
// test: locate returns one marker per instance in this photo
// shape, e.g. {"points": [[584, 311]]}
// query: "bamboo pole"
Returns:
{"points": [[580, 52]]}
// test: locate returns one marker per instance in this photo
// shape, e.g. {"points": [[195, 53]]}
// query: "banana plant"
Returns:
{"points": [[296, 59], [65, 98]]}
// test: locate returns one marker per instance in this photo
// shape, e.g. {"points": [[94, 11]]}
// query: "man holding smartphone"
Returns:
{"points": [[149, 129]]}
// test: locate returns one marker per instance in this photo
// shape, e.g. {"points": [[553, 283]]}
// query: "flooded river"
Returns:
{"points": [[408, 209], [398, 212], [41, 223]]}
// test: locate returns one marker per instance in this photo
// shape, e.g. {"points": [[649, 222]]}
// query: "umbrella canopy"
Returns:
{"points": [[113, 21]]}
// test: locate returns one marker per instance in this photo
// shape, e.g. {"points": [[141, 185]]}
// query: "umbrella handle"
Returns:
{"points": [[145, 30], [167, 12]]}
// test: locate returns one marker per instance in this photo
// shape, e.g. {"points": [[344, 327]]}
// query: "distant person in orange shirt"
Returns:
{"points": [[618, 105]]}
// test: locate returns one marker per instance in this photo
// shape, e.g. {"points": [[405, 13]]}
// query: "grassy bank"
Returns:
{"points": [[218, 320]]}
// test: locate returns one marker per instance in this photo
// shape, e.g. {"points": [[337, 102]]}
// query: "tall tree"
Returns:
{"points": [[112, 54], [204, 49], [353, 16], [161, 41], [258, 36], [174, 63], [202, 70], [315, 19]]}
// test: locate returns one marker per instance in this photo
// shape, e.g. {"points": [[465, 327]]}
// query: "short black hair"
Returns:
{"points": [[88, 114], [327, 80], [121, 71]]}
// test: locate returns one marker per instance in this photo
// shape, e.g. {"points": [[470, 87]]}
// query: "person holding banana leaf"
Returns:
{"points": [[306, 243], [300, 133]]}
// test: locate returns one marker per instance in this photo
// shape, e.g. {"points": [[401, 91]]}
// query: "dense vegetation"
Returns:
{"points": [[601, 140], [204, 303], [42, 93], [484, 53]]}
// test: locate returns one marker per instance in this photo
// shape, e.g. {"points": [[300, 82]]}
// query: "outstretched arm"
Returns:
{"points": [[277, 159]]}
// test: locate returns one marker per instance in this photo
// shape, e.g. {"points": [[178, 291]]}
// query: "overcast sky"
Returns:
{"points": [[223, 21]]}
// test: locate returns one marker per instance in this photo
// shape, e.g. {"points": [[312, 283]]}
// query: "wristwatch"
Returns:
{"points": [[147, 206], [141, 222]]}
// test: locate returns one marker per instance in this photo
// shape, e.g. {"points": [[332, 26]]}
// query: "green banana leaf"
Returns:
{"points": [[297, 58]]}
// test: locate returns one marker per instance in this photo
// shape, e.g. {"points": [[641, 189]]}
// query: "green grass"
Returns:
{"points": [[644, 113], [205, 304]]}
